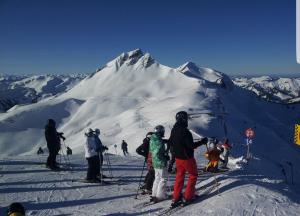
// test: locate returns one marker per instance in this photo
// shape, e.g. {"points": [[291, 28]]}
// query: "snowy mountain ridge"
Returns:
{"points": [[279, 90], [26, 89], [127, 98]]}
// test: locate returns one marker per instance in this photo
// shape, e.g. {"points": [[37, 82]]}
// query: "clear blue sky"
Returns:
{"points": [[65, 36]]}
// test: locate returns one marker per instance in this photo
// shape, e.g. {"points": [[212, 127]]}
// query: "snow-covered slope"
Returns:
{"points": [[280, 90], [18, 90], [133, 93]]}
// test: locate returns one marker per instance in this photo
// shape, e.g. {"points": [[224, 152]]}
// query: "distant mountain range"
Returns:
{"points": [[279, 90], [28, 89]]}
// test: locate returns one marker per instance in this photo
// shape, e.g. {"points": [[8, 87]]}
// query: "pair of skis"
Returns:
{"points": [[170, 210]]}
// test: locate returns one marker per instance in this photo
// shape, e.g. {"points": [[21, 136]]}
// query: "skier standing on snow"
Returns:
{"points": [[100, 148], [225, 154], [53, 143], [124, 147], [143, 150], [92, 156], [183, 145], [159, 162]]}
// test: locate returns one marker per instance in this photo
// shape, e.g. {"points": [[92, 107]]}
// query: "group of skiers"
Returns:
{"points": [[181, 146], [156, 150]]}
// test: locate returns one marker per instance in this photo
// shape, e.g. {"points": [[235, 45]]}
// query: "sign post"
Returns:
{"points": [[297, 134], [249, 135], [115, 148]]}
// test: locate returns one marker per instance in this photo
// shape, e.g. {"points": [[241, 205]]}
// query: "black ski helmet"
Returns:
{"points": [[16, 208], [181, 116], [51, 122], [159, 130]]}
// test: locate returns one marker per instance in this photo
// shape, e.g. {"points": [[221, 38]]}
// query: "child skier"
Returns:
{"points": [[213, 156], [159, 162], [143, 150]]}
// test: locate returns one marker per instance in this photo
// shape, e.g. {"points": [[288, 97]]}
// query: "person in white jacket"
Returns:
{"points": [[92, 157]]}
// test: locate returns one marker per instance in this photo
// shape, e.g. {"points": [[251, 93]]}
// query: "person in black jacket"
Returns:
{"points": [[182, 144], [124, 147], [143, 150], [53, 143]]}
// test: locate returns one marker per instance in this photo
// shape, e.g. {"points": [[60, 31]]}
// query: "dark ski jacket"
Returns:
{"points": [[124, 145], [143, 149], [181, 142], [52, 138]]}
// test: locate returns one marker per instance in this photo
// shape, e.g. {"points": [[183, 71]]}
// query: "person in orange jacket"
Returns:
{"points": [[213, 156]]}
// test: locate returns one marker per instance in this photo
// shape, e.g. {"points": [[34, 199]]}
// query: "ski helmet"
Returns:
{"points": [[97, 131], [15, 208], [89, 131], [51, 122], [159, 130], [181, 116]]}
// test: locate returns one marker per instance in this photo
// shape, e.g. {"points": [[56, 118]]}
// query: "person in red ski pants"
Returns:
{"points": [[183, 146]]}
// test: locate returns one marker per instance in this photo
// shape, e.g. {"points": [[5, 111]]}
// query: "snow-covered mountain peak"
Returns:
{"points": [[193, 70], [128, 58]]}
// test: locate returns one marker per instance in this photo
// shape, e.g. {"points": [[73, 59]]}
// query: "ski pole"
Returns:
{"points": [[68, 159], [292, 171], [284, 173], [108, 164], [137, 192]]}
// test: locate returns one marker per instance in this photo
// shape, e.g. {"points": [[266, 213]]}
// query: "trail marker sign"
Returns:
{"points": [[297, 134]]}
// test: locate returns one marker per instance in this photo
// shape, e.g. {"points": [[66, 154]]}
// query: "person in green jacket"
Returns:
{"points": [[159, 162]]}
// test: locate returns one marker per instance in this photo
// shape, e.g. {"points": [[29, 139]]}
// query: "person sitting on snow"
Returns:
{"points": [[143, 150], [92, 156], [213, 156], [159, 162]]}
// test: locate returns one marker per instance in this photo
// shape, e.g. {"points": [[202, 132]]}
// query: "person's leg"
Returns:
{"points": [[179, 181], [97, 165], [48, 159], [156, 182], [89, 171], [52, 157], [150, 180], [191, 167], [161, 191]]}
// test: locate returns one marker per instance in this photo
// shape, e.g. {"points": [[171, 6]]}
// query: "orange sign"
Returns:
{"points": [[297, 134], [249, 133]]}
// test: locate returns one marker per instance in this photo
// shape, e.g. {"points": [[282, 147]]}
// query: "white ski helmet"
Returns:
{"points": [[97, 131], [89, 131]]}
